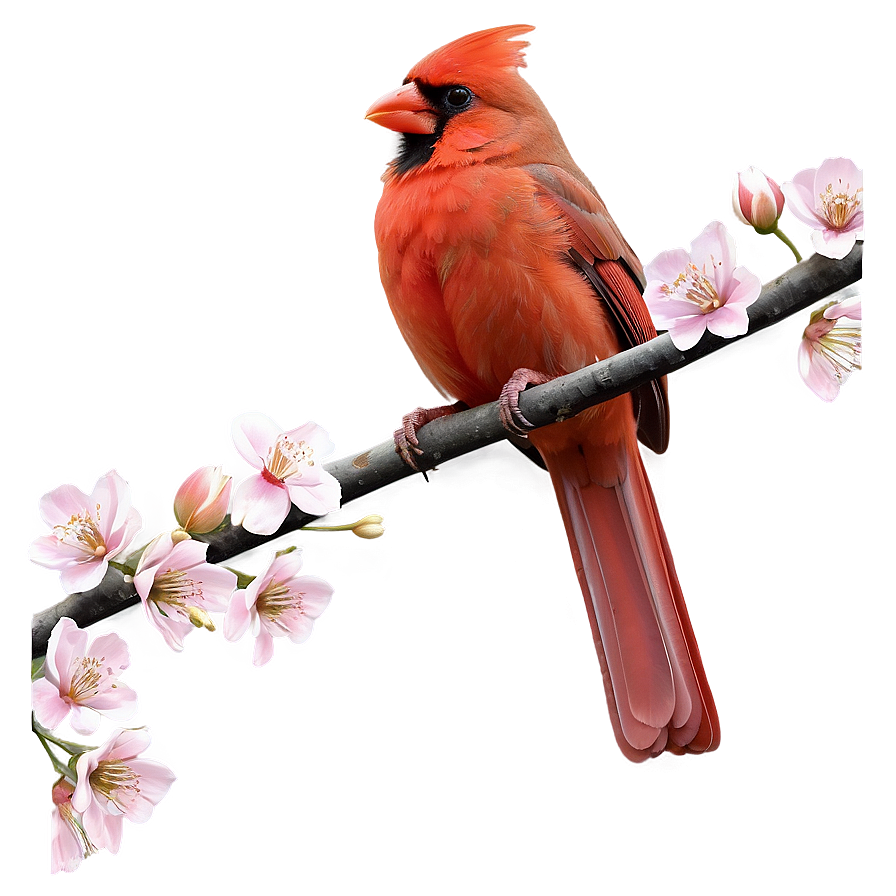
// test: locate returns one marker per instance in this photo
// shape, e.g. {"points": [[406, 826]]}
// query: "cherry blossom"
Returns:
{"points": [[88, 531], [689, 293], [178, 588], [114, 784], [279, 603], [82, 680], [830, 350], [830, 200], [69, 843], [201, 502], [290, 472]]}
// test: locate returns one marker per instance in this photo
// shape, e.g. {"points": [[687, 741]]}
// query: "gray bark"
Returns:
{"points": [[805, 284]]}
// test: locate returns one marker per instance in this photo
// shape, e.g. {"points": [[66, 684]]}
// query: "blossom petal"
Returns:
{"points": [[686, 332], [850, 307], [84, 720], [817, 374], [264, 648], [833, 243], [316, 594], [155, 781], [744, 288], [667, 266], [119, 703], [113, 650], [237, 617], [111, 498], [84, 576], [50, 709], [254, 434], [315, 436], [801, 197], [728, 321], [49, 551], [834, 171], [713, 250], [66, 852], [61, 504], [67, 642], [260, 506], [126, 743], [319, 499]]}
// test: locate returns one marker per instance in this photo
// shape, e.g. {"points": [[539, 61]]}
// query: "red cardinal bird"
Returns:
{"points": [[503, 266]]}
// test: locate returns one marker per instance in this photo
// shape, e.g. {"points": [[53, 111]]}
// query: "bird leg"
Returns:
{"points": [[406, 436], [511, 416]]}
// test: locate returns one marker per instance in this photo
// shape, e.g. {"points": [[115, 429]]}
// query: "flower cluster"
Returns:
{"points": [[79, 681], [690, 292], [99, 787]]}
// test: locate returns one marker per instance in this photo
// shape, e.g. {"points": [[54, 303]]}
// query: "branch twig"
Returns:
{"points": [[803, 285]]}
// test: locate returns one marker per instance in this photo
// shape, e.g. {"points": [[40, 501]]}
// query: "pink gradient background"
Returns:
{"points": [[190, 190]]}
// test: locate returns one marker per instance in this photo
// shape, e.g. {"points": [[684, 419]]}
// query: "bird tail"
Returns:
{"points": [[656, 688]]}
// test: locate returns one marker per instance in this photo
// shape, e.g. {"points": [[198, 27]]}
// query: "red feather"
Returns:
{"points": [[497, 253]]}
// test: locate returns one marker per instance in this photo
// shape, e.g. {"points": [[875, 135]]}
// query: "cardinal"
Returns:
{"points": [[503, 267]]}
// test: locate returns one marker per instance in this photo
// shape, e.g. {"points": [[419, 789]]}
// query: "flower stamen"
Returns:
{"points": [[286, 457], [840, 207], [82, 532], [176, 589], [86, 679], [117, 782], [277, 599], [693, 285]]}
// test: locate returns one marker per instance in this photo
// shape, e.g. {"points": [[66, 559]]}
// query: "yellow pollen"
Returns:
{"points": [[693, 285], [286, 458], [87, 677], [175, 588], [276, 599], [81, 532], [840, 206], [116, 781]]}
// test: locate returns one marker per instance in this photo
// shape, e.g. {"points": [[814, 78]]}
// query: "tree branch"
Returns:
{"points": [[803, 285]]}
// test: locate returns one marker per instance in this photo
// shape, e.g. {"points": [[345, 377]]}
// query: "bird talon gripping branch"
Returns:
{"points": [[499, 258]]}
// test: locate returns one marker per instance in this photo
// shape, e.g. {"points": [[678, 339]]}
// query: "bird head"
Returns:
{"points": [[466, 103]]}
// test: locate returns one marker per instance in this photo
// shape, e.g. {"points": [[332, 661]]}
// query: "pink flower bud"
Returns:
{"points": [[758, 200], [202, 501]]}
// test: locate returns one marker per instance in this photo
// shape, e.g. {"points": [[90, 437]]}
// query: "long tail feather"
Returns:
{"points": [[656, 687]]}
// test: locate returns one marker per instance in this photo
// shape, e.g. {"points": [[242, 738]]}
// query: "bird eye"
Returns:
{"points": [[458, 97]]}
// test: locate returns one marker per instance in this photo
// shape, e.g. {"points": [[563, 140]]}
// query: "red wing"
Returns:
{"points": [[614, 271]]}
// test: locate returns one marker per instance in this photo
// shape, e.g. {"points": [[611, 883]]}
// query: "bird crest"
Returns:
{"points": [[473, 57]]}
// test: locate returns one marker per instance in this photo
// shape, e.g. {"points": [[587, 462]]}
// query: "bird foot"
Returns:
{"points": [[512, 418], [406, 443]]}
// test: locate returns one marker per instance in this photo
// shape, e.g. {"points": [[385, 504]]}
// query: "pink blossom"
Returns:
{"points": [[82, 680], [87, 531], [113, 784], [689, 293], [178, 588], [279, 603], [758, 200], [830, 351], [290, 472], [201, 502], [69, 843], [829, 199]]}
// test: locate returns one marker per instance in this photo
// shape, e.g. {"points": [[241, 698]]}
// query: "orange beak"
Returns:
{"points": [[405, 110]]}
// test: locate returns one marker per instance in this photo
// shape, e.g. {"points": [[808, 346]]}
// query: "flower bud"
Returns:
{"points": [[201, 502], [369, 527], [758, 200]]}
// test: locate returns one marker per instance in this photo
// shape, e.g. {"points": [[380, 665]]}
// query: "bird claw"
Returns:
{"points": [[512, 418], [406, 443]]}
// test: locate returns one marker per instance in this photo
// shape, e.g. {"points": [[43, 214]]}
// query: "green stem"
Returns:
{"points": [[346, 528], [63, 770], [126, 568], [783, 237], [67, 745]]}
